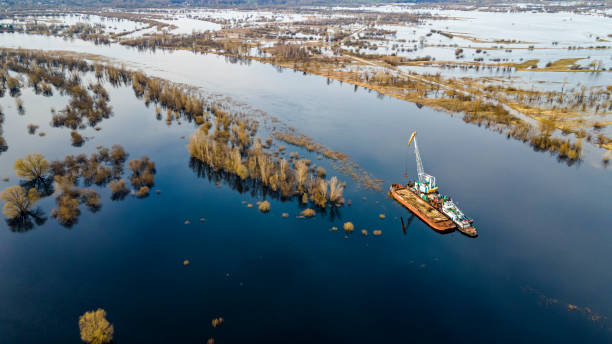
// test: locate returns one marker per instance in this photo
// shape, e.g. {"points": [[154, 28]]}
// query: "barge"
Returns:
{"points": [[422, 198], [421, 208]]}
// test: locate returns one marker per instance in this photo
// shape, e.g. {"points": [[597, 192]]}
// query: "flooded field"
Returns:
{"points": [[216, 251]]}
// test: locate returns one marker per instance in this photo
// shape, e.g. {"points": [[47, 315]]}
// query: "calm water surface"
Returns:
{"points": [[545, 239]]}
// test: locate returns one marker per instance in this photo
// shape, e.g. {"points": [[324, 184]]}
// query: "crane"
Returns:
{"points": [[426, 183]]}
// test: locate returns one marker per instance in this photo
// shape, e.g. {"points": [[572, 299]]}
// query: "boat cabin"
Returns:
{"points": [[428, 185]]}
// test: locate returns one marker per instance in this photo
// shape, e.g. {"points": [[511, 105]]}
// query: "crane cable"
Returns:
{"points": [[406, 163]]}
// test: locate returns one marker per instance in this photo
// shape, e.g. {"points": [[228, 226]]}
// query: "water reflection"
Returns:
{"points": [[238, 60], [44, 185], [408, 222], [14, 92], [26, 222]]}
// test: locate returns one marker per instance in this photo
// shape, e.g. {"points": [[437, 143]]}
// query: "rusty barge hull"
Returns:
{"points": [[428, 214]]}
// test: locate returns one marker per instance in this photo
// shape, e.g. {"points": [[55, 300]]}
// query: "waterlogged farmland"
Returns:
{"points": [[223, 198], [393, 50]]}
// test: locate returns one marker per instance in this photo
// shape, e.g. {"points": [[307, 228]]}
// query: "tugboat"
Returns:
{"points": [[464, 225], [422, 198]]}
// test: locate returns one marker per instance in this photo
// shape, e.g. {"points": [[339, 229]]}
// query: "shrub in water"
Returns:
{"points": [[77, 139], [33, 166], [118, 187], [95, 329], [143, 192], [308, 212], [264, 206], [18, 201]]}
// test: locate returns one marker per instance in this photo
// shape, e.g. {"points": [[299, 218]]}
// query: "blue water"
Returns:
{"points": [[544, 233]]}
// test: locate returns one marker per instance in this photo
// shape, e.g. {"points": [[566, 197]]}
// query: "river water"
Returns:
{"points": [[544, 243]]}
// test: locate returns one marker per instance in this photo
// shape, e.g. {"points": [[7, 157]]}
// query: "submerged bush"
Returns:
{"points": [[83, 106], [264, 206], [67, 211], [69, 198], [321, 172], [117, 154], [143, 171], [143, 192], [318, 192], [77, 139], [101, 167], [95, 329], [335, 191], [217, 322], [118, 187], [91, 198], [102, 175], [223, 154], [301, 174], [308, 212], [46, 89], [19, 104], [18, 201], [32, 128], [606, 158], [3, 145], [13, 84], [32, 167]]}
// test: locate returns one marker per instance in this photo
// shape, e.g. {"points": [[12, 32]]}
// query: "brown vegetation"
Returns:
{"points": [[449, 95], [19, 104], [77, 139], [143, 171], [67, 210], [104, 166], [308, 212], [18, 201], [275, 174], [95, 329], [234, 154], [264, 206], [143, 192], [32, 167], [90, 198], [217, 322], [118, 188], [32, 128]]}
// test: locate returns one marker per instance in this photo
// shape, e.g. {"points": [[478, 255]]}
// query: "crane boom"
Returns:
{"points": [[420, 170], [411, 137]]}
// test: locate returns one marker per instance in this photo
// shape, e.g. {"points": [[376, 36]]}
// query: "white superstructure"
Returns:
{"points": [[452, 211]]}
